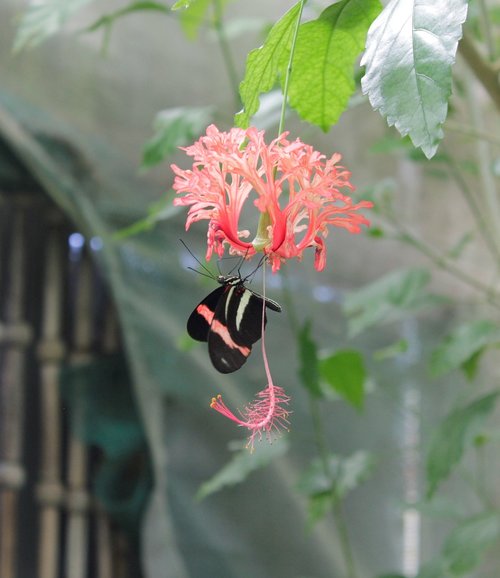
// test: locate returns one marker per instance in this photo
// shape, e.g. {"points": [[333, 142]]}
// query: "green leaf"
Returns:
{"points": [[453, 436], [464, 546], [159, 211], [308, 354], [242, 465], [192, 17], [344, 371], [410, 50], [326, 51], [263, 66], [432, 569], [393, 350], [174, 127], [42, 19], [388, 299], [194, 13], [326, 484], [391, 576], [463, 347]]}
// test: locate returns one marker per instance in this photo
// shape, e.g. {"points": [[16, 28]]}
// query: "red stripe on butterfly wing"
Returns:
{"points": [[222, 331], [205, 312]]}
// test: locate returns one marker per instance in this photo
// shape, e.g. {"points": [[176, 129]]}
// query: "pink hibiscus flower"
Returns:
{"points": [[297, 193]]}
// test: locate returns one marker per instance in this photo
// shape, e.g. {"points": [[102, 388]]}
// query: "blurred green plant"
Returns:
{"points": [[407, 73]]}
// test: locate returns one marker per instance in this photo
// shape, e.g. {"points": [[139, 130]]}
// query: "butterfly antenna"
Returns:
{"points": [[259, 265], [207, 273]]}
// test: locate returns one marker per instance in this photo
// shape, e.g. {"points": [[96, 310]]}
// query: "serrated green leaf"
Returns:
{"points": [[463, 347], [387, 299], [42, 19], [464, 546], [308, 354], [242, 465], [174, 127], [325, 484], [453, 436], [263, 66], [344, 371], [322, 79], [410, 50]]}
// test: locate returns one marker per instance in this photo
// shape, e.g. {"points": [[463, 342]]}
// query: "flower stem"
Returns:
{"points": [[281, 126], [226, 52]]}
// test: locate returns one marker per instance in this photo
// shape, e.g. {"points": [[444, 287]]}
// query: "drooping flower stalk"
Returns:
{"points": [[267, 415]]}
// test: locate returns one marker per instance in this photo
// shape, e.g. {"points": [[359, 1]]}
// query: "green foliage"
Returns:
{"points": [[433, 569], [104, 416], [464, 347], [106, 22], [323, 66], [43, 19], [242, 464], [409, 53], [345, 373], [159, 211], [388, 299], [308, 355], [453, 436], [393, 350], [263, 66], [463, 547], [174, 127], [325, 483], [194, 14], [322, 78]]}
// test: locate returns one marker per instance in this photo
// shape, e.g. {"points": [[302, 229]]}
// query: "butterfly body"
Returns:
{"points": [[230, 320]]}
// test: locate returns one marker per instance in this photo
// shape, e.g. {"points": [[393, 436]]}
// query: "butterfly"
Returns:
{"points": [[230, 320]]}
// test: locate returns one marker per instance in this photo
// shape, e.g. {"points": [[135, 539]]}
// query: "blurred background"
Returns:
{"points": [[106, 431]]}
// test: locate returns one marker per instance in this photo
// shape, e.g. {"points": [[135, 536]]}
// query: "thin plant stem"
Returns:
{"points": [[485, 19], [472, 132], [289, 67], [319, 433], [444, 263], [482, 225], [345, 543], [483, 154], [226, 52]]}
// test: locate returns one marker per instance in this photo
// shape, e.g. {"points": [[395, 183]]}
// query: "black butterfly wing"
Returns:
{"points": [[227, 352], [237, 325], [200, 320], [244, 315]]}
